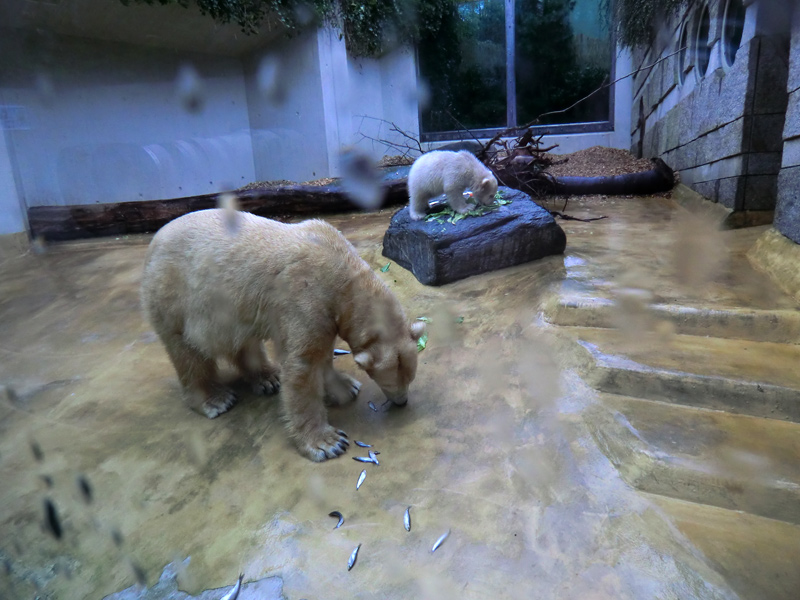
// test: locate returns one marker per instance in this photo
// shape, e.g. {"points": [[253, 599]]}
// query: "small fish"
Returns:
{"points": [[139, 574], [85, 488], [351, 563], [338, 352], [440, 541], [234, 593], [36, 449], [362, 444], [339, 516], [361, 478], [374, 458], [52, 521], [365, 459], [407, 519], [116, 536], [371, 404]]}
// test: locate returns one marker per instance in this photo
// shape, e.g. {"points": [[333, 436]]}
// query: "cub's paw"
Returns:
{"points": [[266, 384], [219, 402], [323, 444], [340, 388]]}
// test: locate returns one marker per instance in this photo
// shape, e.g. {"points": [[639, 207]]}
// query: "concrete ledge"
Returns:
{"points": [[715, 212], [14, 244], [778, 257], [687, 198]]}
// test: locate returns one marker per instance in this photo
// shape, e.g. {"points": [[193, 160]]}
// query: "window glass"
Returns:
{"points": [[465, 67], [562, 52]]}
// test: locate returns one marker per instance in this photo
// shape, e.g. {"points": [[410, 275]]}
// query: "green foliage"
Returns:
{"points": [[637, 20], [448, 215], [465, 65], [370, 27]]}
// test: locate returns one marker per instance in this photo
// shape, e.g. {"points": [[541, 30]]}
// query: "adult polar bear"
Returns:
{"points": [[216, 288], [450, 173]]}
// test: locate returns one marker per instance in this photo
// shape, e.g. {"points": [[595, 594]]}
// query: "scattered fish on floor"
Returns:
{"points": [[85, 488], [407, 519], [234, 593], [371, 404], [353, 557], [361, 478], [338, 352], [336, 514], [52, 522], [440, 541], [362, 444], [365, 459], [36, 449], [374, 458]]}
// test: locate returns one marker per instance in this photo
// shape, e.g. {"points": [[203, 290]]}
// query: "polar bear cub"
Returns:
{"points": [[212, 290], [451, 173]]}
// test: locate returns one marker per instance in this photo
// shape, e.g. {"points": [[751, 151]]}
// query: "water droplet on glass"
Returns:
{"points": [[190, 88], [361, 179]]}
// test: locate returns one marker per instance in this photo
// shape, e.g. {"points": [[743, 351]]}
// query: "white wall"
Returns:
{"points": [[287, 119], [107, 124], [383, 90], [12, 219]]}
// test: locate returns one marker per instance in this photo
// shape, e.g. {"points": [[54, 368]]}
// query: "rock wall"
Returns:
{"points": [[715, 111]]}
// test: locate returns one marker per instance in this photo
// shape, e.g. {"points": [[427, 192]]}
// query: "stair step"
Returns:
{"points": [[756, 556], [778, 325], [732, 461], [754, 378]]}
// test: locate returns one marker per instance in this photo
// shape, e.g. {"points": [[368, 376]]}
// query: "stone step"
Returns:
{"points": [[731, 461], [741, 376], [777, 325], [756, 556]]}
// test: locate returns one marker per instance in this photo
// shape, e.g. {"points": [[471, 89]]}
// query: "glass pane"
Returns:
{"points": [[465, 67], [563, 53]]}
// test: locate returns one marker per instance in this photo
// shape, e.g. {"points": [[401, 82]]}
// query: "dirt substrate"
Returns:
{"points": [[596, 161]]}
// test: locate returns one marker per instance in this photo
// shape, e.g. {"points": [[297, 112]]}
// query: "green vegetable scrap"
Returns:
{"points": [[386, 268], [448, 215], [460, 320], [422, 342], [424, 319]]}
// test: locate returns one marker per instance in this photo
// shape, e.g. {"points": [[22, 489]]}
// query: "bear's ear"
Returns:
{"points": [[417, 329], [363, 360], [486, 183]]}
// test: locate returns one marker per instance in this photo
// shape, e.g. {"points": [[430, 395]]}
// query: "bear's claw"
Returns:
{"points": [[330, 443], [267, 385], [221, 402]]}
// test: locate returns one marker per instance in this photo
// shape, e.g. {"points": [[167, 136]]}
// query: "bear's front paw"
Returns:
{"points": [[340, 388], [266, 384], [324, 444], [219, 402]]}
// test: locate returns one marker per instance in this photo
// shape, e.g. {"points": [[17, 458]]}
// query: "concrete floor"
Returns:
{"points": [[499, 442]]}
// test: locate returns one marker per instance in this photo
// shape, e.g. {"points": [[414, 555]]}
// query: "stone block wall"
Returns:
{"points": [[722, 129], [787, 211]]}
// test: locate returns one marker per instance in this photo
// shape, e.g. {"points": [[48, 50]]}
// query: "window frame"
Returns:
{"points": [[454, 135]]}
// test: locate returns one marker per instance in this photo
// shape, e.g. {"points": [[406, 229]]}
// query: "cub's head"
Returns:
{"points": [[392, 364], [487, 189]]}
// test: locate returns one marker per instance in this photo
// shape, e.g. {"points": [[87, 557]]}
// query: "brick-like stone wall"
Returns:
{"points": [[721, 130], [787, 211]]}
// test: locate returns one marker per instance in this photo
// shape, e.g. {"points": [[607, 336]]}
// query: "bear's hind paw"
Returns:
{"points": [[266, 384], [220, 402], [328, 443]]}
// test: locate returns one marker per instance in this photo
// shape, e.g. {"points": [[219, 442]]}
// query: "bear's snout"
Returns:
{"points": [[399, 399]]}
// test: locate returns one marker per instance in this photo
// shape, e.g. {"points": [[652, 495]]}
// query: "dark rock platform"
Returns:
{"points": [[439, 253]]}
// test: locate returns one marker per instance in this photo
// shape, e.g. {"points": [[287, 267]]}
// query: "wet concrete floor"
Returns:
{"points": [[492, 446]]}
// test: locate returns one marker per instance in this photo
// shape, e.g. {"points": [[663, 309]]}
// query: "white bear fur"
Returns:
{"points": [[217, 283], [451, 173]]}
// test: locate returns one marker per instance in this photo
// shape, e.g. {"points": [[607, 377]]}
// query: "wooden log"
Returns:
{"points": [[61, 223]]}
